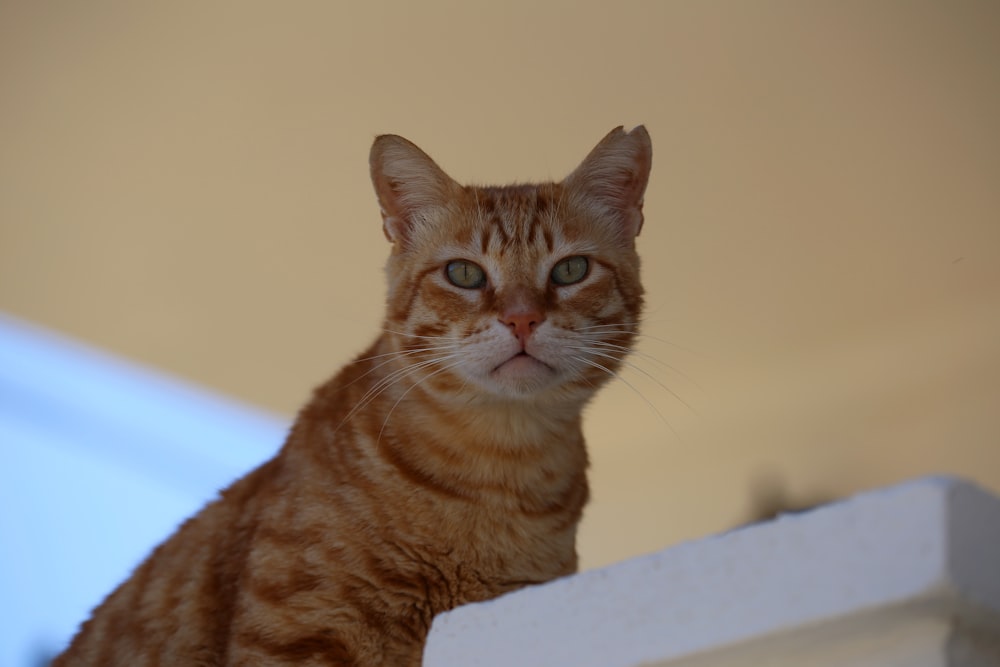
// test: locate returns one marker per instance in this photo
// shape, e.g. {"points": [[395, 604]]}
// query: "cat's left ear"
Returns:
{"points": [[409, 186], [613, 177]]}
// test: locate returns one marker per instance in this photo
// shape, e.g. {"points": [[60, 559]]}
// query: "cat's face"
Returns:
{"points": [[521, 292]]}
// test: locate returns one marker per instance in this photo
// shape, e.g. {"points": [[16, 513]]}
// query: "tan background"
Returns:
{"points": [[186, 184]]}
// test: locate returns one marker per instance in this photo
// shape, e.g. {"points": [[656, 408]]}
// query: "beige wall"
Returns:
{"points": [[186, 184]]}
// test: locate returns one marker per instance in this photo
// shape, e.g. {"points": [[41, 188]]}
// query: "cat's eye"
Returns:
{"points": [[570, 270], [466, 274]]}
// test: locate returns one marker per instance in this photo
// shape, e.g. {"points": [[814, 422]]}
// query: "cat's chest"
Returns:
{"points": [[479, 552], [456, 573]]}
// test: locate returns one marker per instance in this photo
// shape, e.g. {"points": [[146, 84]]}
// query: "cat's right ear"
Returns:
{"points": [[408, 184], [613, 177]]}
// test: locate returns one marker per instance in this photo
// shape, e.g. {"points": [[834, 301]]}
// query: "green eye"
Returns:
{"points": [[462, 273], [570, 270]]}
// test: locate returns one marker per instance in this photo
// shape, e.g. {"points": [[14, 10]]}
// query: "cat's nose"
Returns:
{"points": [[522, 323]]}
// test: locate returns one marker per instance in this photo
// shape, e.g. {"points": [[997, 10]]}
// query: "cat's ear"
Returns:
{"points": [[613, 177], [409, 185]]}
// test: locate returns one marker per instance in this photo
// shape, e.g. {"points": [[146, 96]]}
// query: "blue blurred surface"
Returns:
{"points": [[101, 459]]}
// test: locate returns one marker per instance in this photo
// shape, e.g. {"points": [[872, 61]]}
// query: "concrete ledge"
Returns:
{"points": [[908, 575]]}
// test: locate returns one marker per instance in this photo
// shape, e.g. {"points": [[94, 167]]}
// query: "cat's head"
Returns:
{"points": [[524, 292]]}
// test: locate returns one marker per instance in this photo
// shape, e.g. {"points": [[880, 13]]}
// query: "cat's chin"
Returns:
{"points": [[522, 375]]}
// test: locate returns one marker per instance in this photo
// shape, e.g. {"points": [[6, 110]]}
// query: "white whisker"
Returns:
{"points": [[629, 328], [646, 356], [409, 335], [628, 384], [392, 378], [612, 325], [385, 422], [406, 352], [393, 356], [638, 369]]}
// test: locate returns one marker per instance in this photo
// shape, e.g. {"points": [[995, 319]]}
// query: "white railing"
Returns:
{"points": [[908, 575]]}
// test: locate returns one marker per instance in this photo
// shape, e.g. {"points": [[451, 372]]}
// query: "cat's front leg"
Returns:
{"points": [[345, 639]]}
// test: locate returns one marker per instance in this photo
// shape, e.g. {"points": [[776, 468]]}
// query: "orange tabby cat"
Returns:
{"points": [[446, 465]]}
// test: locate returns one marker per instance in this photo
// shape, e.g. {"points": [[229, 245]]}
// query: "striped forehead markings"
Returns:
{"points": [[513, 216]]}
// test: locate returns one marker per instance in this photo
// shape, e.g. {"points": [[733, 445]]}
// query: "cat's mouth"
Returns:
{"points": [[522, 362]]}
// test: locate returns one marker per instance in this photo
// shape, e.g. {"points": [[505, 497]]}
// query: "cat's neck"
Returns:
{"points": [[474, 450], [499, 424], [490, 460], [473, 442]]}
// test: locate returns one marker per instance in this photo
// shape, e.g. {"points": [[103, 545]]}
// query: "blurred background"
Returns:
{"points": [[189, 242]]}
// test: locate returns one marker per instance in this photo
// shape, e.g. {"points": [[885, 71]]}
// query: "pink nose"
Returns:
{"points": [[522, 323]]}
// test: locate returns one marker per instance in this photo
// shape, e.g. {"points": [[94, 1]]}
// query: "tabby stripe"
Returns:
{"points": [[632, 299], [550, 242], [391, 453], [277, 590], [501, 230], [572, 500], [400, 314], [319, 644]]}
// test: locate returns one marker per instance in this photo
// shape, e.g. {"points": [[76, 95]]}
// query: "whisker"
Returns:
{"points": [[624, 328], [385, 422], [611, 325], [676, 346], [638, 369], [409, 335], [403, 353], [628, 384], [393, 356], [392, 378], [646, 356], [401, 373]]}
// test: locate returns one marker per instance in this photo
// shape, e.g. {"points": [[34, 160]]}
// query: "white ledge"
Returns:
{"points": [[908, 575]]}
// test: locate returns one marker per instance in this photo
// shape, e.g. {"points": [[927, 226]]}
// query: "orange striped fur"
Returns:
{"points": [[445, 465]]}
